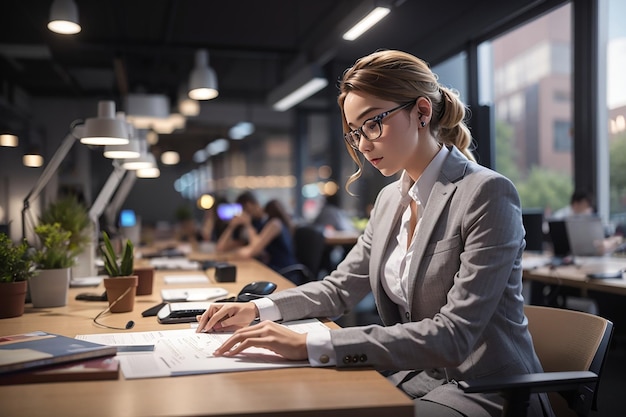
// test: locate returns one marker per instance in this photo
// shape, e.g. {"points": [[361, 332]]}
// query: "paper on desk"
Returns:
{"points": [[193, 294], [132, 341], [185, 279], [174, 264], [185, 352]]}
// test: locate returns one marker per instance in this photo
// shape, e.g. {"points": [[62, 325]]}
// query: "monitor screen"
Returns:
{"points": [[127, 218], [227, 211], [533, 224]]}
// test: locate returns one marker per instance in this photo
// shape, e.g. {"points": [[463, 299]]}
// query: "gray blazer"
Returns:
{"points": [[465, 318]]}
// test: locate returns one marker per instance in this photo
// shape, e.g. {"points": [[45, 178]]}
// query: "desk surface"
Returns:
{"points": [[341, 238], [576, 275], [289, 392]]}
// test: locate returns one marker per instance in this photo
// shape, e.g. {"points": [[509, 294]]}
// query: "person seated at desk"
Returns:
{"points": [[441, 255], [332, 216], [254, 234], [213, 225], [581, 204]]}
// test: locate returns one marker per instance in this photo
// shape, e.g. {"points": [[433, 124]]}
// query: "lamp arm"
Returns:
{"points": [[120, 196], [50, 169], [97, 208]]}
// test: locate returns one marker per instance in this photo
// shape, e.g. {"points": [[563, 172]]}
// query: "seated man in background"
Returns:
{"points": [[581, 204]]}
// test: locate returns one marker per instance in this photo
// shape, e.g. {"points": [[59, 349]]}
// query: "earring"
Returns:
{"points": [[423, 123]]}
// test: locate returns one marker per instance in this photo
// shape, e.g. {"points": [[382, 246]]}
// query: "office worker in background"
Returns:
{"points": [[212, 224], [275, 210], [254, 234], [332, 216], [441, 254], [581, 204]]}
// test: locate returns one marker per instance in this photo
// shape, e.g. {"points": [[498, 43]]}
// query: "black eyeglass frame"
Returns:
{"points": [[354, 144]]}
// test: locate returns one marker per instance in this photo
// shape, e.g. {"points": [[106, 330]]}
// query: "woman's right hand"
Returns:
{"points": [[226, 317]]}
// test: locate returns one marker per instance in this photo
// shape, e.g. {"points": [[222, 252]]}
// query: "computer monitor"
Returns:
{"points": [[227, 211], [559, 238], [128, 218], [533, 224]]}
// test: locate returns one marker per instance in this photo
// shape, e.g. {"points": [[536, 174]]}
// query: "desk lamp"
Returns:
{"points": [[101, 130]]}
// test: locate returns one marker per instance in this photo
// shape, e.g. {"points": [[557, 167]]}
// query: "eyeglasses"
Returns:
{"points": [[372, 128]]}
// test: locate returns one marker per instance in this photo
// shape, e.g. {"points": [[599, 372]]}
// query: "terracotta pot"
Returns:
{"points": [[49, 287], [145, 275], [12, 298], [121, 293]]}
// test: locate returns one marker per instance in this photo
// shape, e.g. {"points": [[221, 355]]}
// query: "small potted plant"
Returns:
{"points": [[74, 217], [54, 260], [16, 267], [121, 283]]}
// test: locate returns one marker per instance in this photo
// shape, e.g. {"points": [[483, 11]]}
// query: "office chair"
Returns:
{"points": [[309, 244], [572, 347]]}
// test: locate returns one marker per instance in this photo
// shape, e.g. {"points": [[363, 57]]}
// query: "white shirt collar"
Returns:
{"points": [[420, 191]]}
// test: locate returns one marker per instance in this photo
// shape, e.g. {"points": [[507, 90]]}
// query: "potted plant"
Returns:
{"points": [[16, 267], [54, 260], [73, 216], [121, 283]]}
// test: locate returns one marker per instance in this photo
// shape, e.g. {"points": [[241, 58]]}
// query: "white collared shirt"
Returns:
{"points": [[399, 253], [397, 259]]}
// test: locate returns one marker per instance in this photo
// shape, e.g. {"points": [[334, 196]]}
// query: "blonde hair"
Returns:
{"points": [[401, 77]]}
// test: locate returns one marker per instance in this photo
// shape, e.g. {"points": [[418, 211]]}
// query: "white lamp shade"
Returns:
{"points": [[64, 17], [188, 107], [127, 151], [8, 140], [153, 172], [144, 161], [32, 160], [105, 129], [202, 81], [170, 158]]}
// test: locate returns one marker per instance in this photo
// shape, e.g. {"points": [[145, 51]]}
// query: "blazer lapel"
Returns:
{"points": [[452, 170], [388, 311]]}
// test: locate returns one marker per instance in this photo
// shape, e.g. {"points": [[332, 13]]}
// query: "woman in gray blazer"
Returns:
{"points": [[441, 253]]}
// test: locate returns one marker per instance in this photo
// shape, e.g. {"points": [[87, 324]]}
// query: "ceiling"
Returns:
{"points": [[148, 46]]}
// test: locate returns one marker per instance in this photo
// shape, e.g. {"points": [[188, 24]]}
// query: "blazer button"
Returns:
{"points": [[363, 358], [407, 315], [355, 358], [324, 359], [347, 359]]}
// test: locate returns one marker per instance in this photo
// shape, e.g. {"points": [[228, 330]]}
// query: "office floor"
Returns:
{"points": [[611, 400]]}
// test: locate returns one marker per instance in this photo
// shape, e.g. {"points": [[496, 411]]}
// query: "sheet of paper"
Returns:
{"points": [[131, 341], [185, 352], [193, 294], [185, 279], [174, 264]]}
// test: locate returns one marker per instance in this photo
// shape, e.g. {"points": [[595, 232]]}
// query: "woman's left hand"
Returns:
{"points": [[268, 335]]}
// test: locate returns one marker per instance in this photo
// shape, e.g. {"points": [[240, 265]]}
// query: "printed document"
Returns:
{"points": [[185, 352]]}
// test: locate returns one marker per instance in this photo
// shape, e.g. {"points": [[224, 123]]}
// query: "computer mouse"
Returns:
{"points": [[258, 288]]}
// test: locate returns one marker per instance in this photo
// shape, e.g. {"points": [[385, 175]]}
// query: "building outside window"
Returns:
{"points": [[615, 54], [526, 76]]}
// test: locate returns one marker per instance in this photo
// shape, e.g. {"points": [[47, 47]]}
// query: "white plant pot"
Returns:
{"points": [[49, 287], [85, 263]]}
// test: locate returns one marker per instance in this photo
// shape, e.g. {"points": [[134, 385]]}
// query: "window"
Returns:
{"points": [[616, 108], [562, 136], [528, 71]]}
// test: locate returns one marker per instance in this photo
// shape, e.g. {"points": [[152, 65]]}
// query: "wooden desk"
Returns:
{"points": [[282, 392], [576, 275], [341, 238]]}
